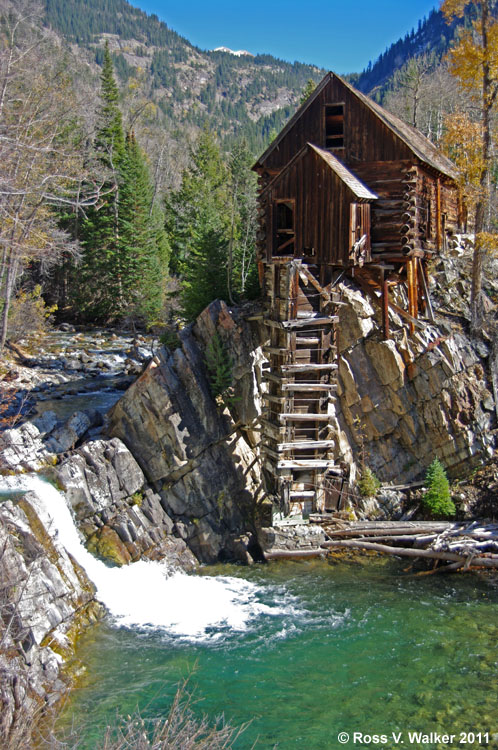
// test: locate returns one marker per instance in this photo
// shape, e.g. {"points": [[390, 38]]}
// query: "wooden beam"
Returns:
{"points": [[302, 417], [302, 445], [273, 399], [307, 341], [385, 306], [412, 292], [425, 288], [309, 367], [309, 387], [305, 464], [303, 322]]}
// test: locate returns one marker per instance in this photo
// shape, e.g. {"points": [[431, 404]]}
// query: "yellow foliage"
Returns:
{"points": [[462, 142], [487, 241], [468, 58], [451, 8]]}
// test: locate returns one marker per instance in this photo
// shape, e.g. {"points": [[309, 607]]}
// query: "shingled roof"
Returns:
{"points": [[353, 183], [413, 138]]}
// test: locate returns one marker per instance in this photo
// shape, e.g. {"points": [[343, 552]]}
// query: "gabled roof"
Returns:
{"points": [[413, 138], [353, 183]]}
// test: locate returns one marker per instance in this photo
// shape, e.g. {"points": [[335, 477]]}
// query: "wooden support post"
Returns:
{"points": [[425, 286], [412, 292], [385, 306], [438, 216]]}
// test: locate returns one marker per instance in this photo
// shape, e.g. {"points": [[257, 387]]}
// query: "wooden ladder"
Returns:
{"points": [[297, 440]]}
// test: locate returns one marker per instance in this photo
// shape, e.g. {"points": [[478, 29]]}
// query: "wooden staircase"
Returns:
{"points": [[297, 438]]}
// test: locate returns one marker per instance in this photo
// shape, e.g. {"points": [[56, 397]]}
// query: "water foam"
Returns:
{"points": [[146, 594]]}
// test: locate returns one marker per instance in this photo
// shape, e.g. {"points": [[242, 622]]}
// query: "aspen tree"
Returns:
{"points": [[474, 61]]}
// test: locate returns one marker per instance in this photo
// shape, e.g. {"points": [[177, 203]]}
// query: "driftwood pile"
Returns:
{"points": [[460, 545]]}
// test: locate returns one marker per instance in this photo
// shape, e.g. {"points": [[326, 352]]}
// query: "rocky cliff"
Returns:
{"points": [[199, 456], [400, 403], [405, 401], [45, 601]]}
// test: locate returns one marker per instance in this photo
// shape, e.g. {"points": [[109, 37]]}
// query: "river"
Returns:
{"points": [[328, 649]]}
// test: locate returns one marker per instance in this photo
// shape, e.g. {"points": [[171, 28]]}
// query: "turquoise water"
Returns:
{"points": [[343, 647]]}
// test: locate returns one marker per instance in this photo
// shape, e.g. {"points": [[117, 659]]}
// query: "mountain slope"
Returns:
{"points": [[433, 37], [232, 94]]}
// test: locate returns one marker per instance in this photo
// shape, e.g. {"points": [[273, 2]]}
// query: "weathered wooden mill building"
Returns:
{"points": [[346, 188]]}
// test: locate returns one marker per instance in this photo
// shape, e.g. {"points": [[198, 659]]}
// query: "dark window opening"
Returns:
{"points": [[284, 228], [334, 125]]}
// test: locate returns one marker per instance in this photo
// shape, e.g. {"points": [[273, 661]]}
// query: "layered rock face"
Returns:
{"points": [[196, 454], [405, 401], [121, 518], [45, 600]]}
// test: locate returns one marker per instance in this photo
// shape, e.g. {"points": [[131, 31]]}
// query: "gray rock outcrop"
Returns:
{"points": [[45, 601], [198, 456], [405, 401], [121, 518]]}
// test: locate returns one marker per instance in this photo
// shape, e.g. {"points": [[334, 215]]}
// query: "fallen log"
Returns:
{"points": [[403, 531], [287, 554], [487, 562]]}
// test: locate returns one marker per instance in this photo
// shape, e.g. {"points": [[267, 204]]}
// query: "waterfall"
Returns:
{"points": [[146, 593]]}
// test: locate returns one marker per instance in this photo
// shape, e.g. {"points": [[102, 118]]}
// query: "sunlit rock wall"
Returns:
{"points": [[405, 401]]}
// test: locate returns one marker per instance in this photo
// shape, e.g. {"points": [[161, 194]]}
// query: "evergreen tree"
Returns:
{"points": [[99, 288], [142, 240], [437, 499], [125, 246], [211, 223], [198, 225]]}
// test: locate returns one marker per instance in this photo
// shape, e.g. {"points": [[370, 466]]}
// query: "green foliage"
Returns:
{"points": [[368, 484], [137, 499], [307, 90], [437, 500], [125, 245], [220, 371], [170, 338], [211, 224]]}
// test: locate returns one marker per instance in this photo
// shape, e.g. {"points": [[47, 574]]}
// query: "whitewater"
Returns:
{"points": [[146, 593]]}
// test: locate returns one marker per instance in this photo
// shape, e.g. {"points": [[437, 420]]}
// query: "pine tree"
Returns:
{"points": [[437, 500], [99, 288], [125, 245], [142, 240], [198, 225]]}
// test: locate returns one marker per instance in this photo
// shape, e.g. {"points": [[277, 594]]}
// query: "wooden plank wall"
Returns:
{"points": [[366, 136]]}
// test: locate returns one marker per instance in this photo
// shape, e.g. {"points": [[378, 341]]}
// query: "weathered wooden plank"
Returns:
{"points": [[302, 464], [309, 321], [309, 387], [304, 417], [299, 445], [308, 367], [273, 399]]}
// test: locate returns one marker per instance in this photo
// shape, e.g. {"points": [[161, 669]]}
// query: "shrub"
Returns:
{"points": [[220, 371], [368, 484], [28, 315], [437, 500]]}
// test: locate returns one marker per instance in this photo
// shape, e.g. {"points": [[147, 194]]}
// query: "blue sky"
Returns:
{"points": [[340, 35]]}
